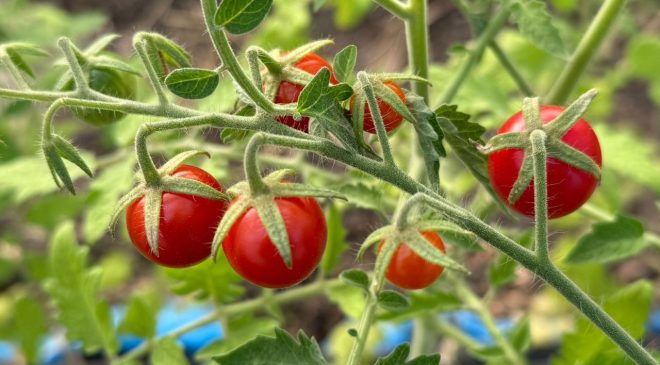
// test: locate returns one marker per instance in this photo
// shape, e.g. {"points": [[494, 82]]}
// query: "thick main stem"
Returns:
{"points": [[585, 51], [417, 39]]}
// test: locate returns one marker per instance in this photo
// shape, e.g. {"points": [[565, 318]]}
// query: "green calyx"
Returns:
{"points": [[553, 132], [153, 194], [263, 200]]}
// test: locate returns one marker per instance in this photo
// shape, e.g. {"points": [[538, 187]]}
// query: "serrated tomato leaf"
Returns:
{"points": [[400, 355], [279, 350]]}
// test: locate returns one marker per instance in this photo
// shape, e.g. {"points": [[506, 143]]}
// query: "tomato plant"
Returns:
{"points": [[285, 130], [568, 186], [251, 253], [186, 223]]}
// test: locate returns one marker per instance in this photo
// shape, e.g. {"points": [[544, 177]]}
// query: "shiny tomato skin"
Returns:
{"points": [[288, 92], [252, 254], [568, 187], [408, 270], [187, 223], [391, 119]]}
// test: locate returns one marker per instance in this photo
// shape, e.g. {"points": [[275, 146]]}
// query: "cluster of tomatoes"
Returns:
{"points": [[188, 223]]}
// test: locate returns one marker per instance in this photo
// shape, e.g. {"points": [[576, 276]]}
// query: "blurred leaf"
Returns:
{"points": [[29, 326], [401, 353], [336, 244], [421, 302], [241, 16], [207, 280], [392, 300], [356, 278], [350, 299], [280, 350], [502, 271], [192, 83], [521, 337], [74, 290], [52, 210], [168, 352], [630, 155], [282, 30], [104, 193], [641, 56], [117, 269], [238, 331], [349, 13], [609, 241], [140, 318], [629, 307], [535, 23]]}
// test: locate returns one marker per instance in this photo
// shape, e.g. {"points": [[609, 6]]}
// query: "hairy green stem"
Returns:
{"points": [[252, 173], [417, 39], [14, 71], [475, 55], [141, 48], [229, 60], [584, 52], [377, 118], [510, 68], [76, 70], [395, 7], [539, 153]]}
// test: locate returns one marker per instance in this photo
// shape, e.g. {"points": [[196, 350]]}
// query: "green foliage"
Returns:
{"points": [[336, 244], [535, 23], [239, 16], [392, 300], [400, 354], [168, 352], [192, 83], [610, 241], [140, 318], [208, 280], [280, 350], [73, 289], [587, 345], [237, 332]]}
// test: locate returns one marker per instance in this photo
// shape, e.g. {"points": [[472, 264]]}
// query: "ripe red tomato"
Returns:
{"points": [[391, 119], [408, 270], [568, 186], [187, 223], [252, 254], [288, 92]]}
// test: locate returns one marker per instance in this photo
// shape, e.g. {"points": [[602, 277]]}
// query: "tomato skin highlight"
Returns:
{"points": [[252, 254], [407, 270], [187, 223], [568, 187], [391, 119], [288, 92]]}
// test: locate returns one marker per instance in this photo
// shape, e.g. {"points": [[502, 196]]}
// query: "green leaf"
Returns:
{"points": [[100, 44], [429, 135], [208, 280], [392, 300], [104, 192], [241, 16], [400, 355], [350, 299], [168, 352], [641, 54], [237, 332], [356, 277], [629, 307], [344, 62], [535, 24], [610, 241], [73, 290], [140, 319], [336, 244], [192, 83], [280, 350], [318, 100], [502, 271], [521, 337], [29, 327], [421, 302]]}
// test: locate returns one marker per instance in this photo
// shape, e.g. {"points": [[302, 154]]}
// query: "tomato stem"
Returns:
{"points": [[76, 70], [511, 69], [539, 153], [585, 51], [13, 70], [396, 8], [377, 117], [417, 39], [252, 173], [140, 46]]}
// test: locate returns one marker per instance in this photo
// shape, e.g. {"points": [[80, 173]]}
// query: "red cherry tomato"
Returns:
{"points": [[252, 254], [408, 270], [187, 223], [391, 118], [568, 186], [288, 92]]}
